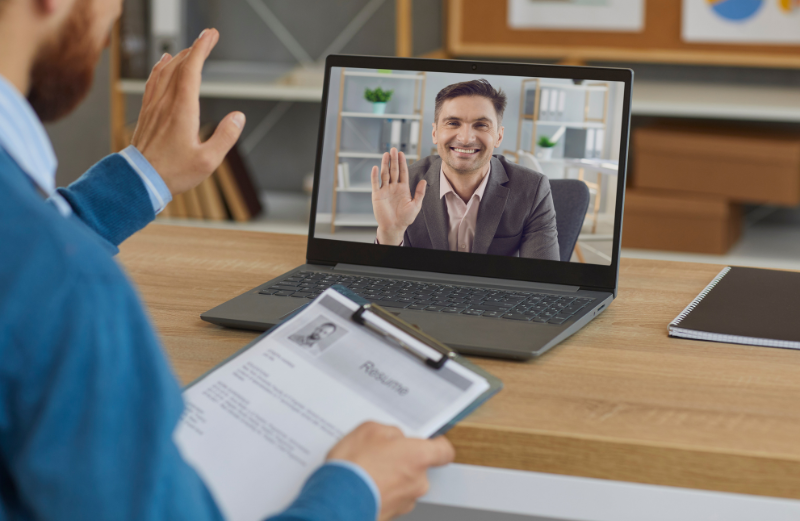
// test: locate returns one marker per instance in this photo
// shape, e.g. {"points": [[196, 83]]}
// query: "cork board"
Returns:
{"points": [[479, 28]]}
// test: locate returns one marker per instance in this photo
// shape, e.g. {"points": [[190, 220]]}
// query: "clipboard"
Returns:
{"points": [[448, 355], [360, 317]]}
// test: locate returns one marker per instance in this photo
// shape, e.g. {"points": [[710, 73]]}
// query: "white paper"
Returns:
{"points": [[257, 427], [741, 21], [588, 15]]}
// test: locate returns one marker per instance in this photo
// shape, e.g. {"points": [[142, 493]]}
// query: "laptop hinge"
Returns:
{"points": [[447, 277]]}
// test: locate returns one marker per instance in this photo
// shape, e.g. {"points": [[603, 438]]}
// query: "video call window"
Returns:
{"points": [[489, 164]]}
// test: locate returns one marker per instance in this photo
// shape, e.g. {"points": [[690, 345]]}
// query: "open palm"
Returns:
{"points": [[392, 203]]}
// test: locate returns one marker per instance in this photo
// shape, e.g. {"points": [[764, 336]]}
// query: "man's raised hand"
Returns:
{"points": [[392, 203], [167, 133]]}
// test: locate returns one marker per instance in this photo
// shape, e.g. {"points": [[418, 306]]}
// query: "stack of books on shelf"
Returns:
{"points": [[229, 193]]}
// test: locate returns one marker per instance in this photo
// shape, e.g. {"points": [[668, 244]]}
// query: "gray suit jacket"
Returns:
{"points": [[516, 216]]}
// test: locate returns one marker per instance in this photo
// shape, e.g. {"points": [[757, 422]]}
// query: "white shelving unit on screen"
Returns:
{"points": [[363, 219]]}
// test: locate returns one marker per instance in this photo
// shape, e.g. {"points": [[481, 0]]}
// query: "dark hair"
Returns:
{"points": [[479, 87]]}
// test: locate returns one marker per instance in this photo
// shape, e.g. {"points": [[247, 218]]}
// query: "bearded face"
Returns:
{"points": [[63, 71]]}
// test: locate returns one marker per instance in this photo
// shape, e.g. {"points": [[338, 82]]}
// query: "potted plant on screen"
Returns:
{"points": [[546, 146], [378, 97]]}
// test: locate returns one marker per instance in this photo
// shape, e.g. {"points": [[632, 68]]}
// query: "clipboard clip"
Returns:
{"points": [[445, 352]]}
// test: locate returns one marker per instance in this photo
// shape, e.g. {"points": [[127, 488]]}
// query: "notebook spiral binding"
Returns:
{"points": [[700, 297]]}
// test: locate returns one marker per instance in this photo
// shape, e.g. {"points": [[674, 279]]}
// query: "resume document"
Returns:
{"points": [[257, 426]]}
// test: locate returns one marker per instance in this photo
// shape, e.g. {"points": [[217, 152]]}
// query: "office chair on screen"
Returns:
{"points": [[571, 200]]}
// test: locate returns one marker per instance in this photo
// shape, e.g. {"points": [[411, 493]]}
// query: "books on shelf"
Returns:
{"points": [[402, 134], [228, 193], [244, 181], [413, 138]]}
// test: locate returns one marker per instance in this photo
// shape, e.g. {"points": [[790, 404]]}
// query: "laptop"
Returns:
{"points": [[499, 204]]}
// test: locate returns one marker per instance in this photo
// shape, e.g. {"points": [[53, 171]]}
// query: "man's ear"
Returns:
{"points": [[433, 134], [499, 137]]}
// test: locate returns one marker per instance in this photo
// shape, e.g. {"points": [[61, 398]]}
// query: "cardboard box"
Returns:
{"points": [[680, 221], [749, 166]]}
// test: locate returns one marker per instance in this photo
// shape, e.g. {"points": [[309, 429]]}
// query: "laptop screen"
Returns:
{"points": [[472, 163]]}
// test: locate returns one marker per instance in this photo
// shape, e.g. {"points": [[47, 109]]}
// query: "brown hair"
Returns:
{"points": [[479, 87]]}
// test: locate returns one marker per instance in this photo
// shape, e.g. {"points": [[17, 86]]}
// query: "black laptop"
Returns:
{"points": [[480, 201]]}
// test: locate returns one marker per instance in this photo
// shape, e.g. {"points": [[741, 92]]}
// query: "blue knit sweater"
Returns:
{"points": [[88, 403]]}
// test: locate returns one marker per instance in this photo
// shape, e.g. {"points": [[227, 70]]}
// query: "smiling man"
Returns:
{"points": [[477, 202]]}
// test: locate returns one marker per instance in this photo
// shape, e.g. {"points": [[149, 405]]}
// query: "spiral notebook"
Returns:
{"points": [[745, 306]]}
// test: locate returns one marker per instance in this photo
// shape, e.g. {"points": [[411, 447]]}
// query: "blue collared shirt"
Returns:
{"points": [[24, 140], [23, 137]]}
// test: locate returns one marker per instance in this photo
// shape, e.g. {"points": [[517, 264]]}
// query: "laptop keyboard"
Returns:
{"points": [[525, 306]]}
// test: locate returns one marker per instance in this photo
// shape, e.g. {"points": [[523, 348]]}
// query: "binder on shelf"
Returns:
{"points": [[343, 175], [590, 141], [167, 20], [134, 39], [281, 403], [554, 95], [544, 105], [599, 142], [530, 101], [404, 136], [394, 139], [575, 140], [413, 138], [562, 103]]}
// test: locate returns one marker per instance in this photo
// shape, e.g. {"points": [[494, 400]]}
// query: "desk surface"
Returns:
{"points": [[619, 400]]}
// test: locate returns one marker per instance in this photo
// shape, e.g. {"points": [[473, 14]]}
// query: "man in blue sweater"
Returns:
{"points": [[88, 403]]}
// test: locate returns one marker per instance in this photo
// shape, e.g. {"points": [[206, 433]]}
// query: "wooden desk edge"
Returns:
{"points": [[620, 460]]}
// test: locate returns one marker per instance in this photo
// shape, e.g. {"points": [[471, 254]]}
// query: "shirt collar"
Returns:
{"points": [[23, 137], [445, 187]]}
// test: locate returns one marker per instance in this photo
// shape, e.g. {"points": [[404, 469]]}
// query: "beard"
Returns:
{"points": [[63, 71]]}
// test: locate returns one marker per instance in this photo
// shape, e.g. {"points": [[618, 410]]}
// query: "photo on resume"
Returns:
{"points": [[316, 336]]}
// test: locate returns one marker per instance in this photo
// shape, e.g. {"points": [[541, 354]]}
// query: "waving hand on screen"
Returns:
{"points": [[392, 203]]}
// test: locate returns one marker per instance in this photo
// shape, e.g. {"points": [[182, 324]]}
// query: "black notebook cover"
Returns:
{"points": [[745, 306]]}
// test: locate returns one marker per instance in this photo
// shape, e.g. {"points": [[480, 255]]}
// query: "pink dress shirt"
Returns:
{"points": [[462, 217]]}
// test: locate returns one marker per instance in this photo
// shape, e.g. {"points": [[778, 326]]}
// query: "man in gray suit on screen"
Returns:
{"points": [[476, 202]]}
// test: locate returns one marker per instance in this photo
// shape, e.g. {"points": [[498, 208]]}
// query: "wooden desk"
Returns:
{"points": [[619, 400]]}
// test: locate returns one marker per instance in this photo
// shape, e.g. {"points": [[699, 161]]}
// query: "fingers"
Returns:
{"points": [[401, 158], [165, 77], [385, 169], [437, 452], [394, 169], [224, 137], [152, 81], [375, 177], [192, 69]]}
